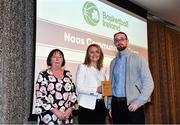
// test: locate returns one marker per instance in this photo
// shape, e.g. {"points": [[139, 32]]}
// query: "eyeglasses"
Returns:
{"points": [[116, 40]]}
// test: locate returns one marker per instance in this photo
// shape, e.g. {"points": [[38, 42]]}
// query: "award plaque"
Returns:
{"points": [[106, 88]]}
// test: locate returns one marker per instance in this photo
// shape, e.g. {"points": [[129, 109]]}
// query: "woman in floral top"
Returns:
{"points": [[55, 92]]}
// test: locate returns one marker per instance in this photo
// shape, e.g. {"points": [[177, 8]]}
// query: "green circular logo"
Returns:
{"points": [[91, 13]]}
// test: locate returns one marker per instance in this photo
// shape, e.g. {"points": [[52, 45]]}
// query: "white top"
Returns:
{"points": [[88, 78]]}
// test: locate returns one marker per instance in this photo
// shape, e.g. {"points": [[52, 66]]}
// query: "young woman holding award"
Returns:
{"points": [[92, 108]]}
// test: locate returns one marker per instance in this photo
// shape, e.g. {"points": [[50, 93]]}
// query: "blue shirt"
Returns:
{"points": [[119, 73]]}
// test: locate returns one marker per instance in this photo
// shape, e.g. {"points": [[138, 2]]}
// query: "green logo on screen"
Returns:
{"points": [[91, 13]]}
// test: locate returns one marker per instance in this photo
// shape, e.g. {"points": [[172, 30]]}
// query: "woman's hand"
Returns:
{"points": [[99, 89], [110, 113], [58, 113], [67, 113]]}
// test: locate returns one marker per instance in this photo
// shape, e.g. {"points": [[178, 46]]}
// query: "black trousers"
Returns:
{"points": [[122, 115], [96, 116]]}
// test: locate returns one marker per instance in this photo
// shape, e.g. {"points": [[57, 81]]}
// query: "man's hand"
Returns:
{"points": [[133, 106]]}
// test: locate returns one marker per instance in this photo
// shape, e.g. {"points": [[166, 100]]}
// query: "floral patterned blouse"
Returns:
{"points": [[52, 92]]}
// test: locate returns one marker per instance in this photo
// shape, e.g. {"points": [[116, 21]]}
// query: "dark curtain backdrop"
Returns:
{"points": [[164, 62]]}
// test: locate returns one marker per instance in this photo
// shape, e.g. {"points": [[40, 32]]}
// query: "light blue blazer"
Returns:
{"points": [[139, 82]]}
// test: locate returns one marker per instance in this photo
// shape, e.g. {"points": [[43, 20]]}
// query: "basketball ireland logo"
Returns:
{"points": [[91, 13]]}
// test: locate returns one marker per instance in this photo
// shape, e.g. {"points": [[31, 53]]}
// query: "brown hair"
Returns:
{"points": [[51, 54], [100, 61], [121, 33]]}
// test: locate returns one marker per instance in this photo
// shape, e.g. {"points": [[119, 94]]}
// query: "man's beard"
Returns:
{"points": [[122, 48]]}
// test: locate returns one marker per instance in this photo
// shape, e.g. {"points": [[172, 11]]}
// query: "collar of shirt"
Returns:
{"points": [[123, 53]]}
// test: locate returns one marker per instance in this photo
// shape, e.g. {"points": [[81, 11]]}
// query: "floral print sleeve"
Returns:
{"points": [[73, 94], [43, 101], [52, 92]]}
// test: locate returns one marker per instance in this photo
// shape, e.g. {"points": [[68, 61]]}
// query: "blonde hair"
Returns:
{"points": [[87, 60]]}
